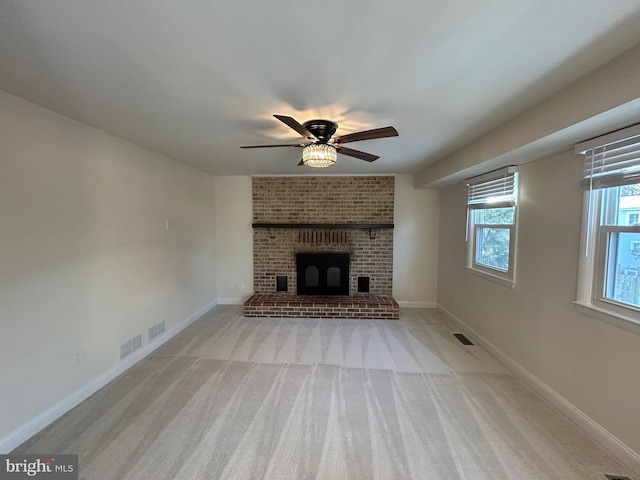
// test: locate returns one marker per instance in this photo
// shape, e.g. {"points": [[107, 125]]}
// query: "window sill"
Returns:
{"points": [[492, 278], [621, 321]]}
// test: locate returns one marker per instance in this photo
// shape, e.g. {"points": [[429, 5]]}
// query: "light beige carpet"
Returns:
{"points": [[249, 398]]}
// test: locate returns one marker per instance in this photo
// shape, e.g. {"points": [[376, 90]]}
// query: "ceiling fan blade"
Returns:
{"points": [[357, 154], [271, 146], [293, 123], [367, 135]]}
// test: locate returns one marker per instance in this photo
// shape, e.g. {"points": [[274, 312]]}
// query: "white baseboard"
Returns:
{"points": [[605, 438], [33, 426], [405, 304], [230, 301]]}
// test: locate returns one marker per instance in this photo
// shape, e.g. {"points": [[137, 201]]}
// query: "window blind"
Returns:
{"points": [[494, 189], [611, 160]]}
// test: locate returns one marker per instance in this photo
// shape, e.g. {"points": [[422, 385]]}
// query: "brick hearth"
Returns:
{"points": [[363, 306]]}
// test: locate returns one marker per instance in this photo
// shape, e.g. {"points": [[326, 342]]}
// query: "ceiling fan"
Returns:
{"points": [[321, 149]]}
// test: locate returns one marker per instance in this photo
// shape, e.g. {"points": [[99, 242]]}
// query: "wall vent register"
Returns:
{"points": [[282, 283], [363, 284], [155, 330], [130, 346]]}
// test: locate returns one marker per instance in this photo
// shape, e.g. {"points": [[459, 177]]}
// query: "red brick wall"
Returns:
{"points": [[323, 200]]}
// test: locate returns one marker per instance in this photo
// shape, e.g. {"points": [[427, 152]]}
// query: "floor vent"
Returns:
{"points": [[616, 477], [463, 340], [156, 330], [130, 346]]}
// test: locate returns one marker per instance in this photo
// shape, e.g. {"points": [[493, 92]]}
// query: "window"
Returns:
{"points": [[609, 284], [618, 249], [491, 229]]}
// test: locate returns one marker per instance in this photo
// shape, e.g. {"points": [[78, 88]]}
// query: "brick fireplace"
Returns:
{"points": [[324, 215]]}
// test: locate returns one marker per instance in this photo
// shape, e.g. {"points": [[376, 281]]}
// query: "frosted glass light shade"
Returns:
{"points": [[319, 155]]}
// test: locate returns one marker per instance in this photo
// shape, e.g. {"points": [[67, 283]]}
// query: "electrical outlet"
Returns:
{"points": [[78, 358]]}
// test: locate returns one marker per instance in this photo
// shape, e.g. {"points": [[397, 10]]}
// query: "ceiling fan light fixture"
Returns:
{"points": [[319, 155]]}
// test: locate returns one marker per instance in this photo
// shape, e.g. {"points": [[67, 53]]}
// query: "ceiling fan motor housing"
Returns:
{"points": [[319, 132], [321, 129]]}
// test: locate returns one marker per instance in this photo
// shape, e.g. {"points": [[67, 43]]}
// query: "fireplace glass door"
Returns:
{"points": [[323, 273]]}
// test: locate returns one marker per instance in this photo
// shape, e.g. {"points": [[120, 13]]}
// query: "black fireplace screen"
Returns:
{"points": [[323, 273]]}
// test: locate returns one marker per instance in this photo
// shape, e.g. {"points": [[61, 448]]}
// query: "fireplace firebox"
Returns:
{"points": [[323, 273]]}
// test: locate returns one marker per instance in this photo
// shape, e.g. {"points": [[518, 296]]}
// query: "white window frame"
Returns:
{"points": [[606, 243], [504, 277], [473, 251], [596, 244]]}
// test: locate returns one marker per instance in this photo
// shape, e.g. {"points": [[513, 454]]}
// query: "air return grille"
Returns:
{"points": [[157, 329], [130, 346]]}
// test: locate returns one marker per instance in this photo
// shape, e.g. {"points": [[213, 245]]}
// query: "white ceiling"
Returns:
{"points": [[195, 79]]}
